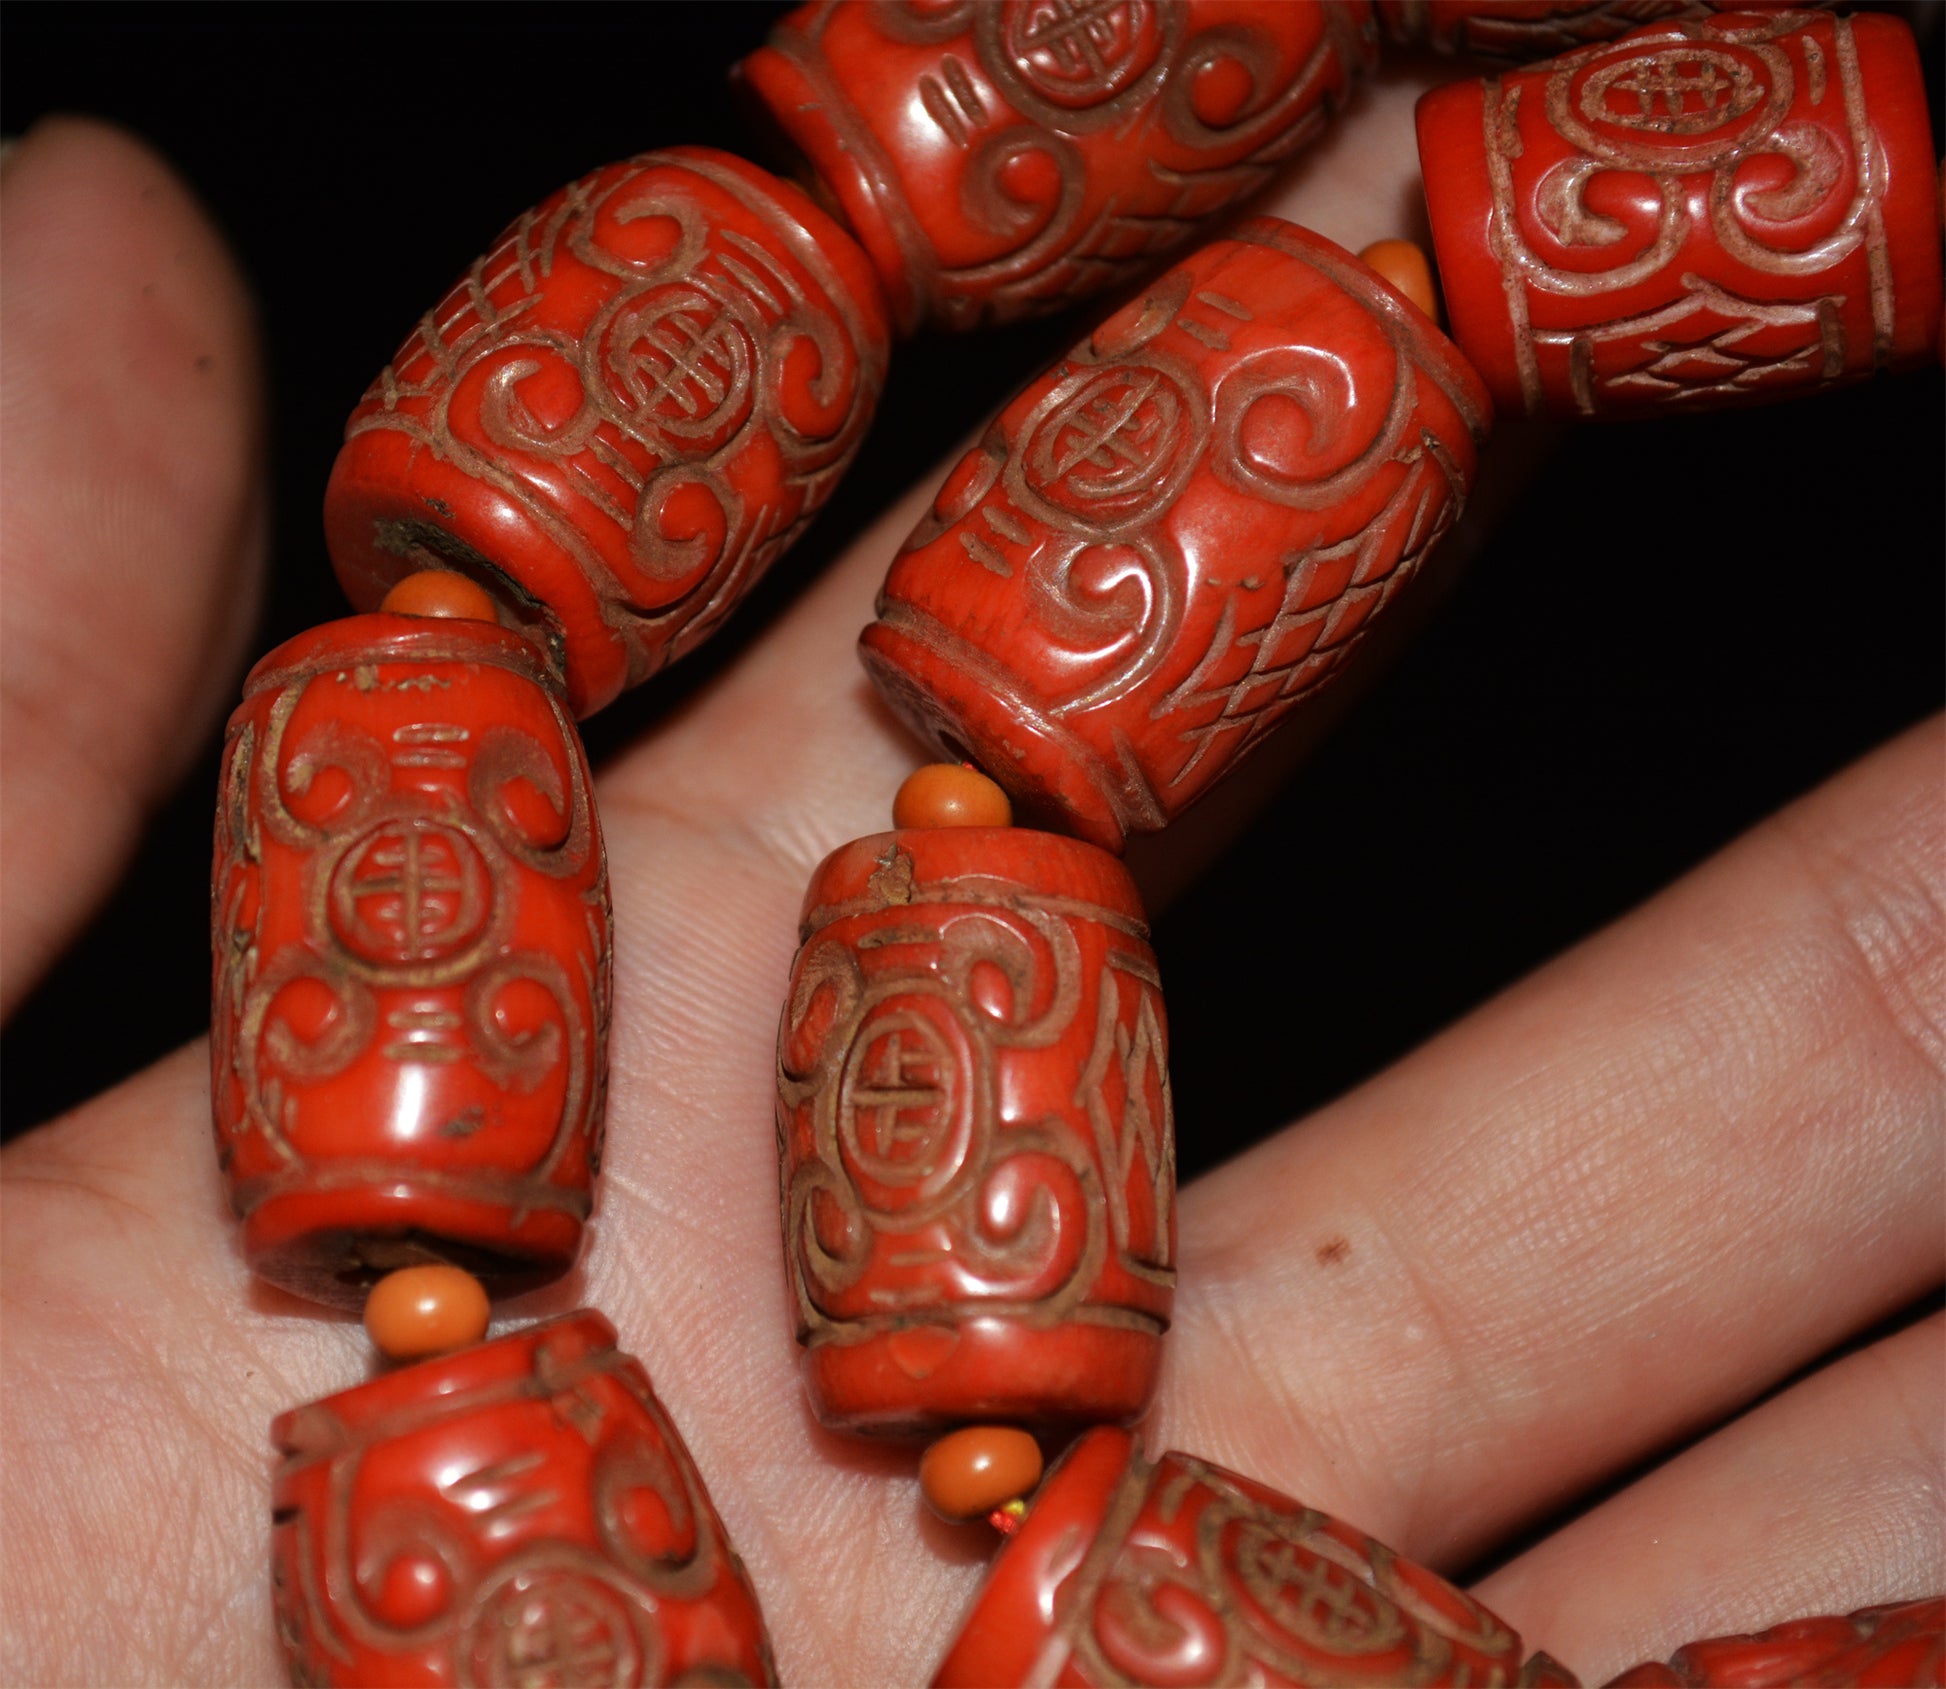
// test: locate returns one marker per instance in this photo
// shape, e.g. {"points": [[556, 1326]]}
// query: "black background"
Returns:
{"points": [[1682, 625]]}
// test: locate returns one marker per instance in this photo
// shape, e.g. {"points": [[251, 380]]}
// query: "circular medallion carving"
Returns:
{"points": [[1306, 1596], [1080, 53], [1677, 91], [905, 1112], [1076, 66], [1110, 447], [410, 891], [553, 1627], [1679, 106], [679, 360]]}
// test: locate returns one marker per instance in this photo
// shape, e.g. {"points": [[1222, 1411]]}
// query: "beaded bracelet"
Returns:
{"points": [[572, 470]]}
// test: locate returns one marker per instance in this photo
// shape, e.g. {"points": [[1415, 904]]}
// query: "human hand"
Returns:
{"points": [[1597, 1218]]}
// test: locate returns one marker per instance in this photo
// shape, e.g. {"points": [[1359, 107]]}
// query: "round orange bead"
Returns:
{"points": [[950, 794], [969, 1473], [441, 592], [1405, 266], [420, 1311]]}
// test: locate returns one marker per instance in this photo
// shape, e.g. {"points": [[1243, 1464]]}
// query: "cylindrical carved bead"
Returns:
{"points": [[1895, 1647], [1176, 1571], [1519, 30], [999, 160], [622, 413], [977, 1146], [410, 921], [1698, 214], [522, 1512], [1170, 538]]}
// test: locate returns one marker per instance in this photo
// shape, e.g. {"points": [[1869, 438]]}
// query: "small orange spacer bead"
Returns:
{"points": [[976, 1471], [420, 1311], [441, 592], [1404, 265], [950, 794]]}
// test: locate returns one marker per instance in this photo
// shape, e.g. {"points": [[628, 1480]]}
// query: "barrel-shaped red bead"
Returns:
{"points": [[1169, 540], [1003, 159], [1891, 1647], [622, 413], [521, 1512], [1537, 29], [411, 933], [1176, 1571], [1697, 214], [978, 1154]]}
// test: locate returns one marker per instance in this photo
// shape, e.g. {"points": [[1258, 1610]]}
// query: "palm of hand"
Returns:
{"points": [[1411, 1312]]}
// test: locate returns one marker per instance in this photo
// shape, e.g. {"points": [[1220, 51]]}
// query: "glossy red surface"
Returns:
{"points": [[520, 1513], [621, 414], [1180, 1573], [1894, 1647], [1171, 538], [1536, 29], [1696, 215], [411, 933], [1001, 160], [974, 1119]]}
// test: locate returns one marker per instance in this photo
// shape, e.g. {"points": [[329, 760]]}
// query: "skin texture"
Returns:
{"points": [[1409, 1309]]}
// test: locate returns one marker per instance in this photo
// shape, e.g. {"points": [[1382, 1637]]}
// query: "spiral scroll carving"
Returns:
{"points": [[663, 370], [516, 1515], [412, 940], [1201, 1577], [1065, 143], [973, 1108], [1190, 521], [1694, 215]]}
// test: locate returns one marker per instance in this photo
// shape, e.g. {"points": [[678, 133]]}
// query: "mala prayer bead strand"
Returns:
{"points": [[571, 472]]}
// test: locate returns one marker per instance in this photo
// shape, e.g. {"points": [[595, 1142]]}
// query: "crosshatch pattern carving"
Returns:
{"points": [[1171, 538], [1695, 215]]}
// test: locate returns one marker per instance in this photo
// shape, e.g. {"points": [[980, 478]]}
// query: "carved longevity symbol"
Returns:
{"points": [[684, 361], [632, 402], [976, 1151], [415, 890], [1107, 449], [1324, 1603], [554, 1630], [897, 1096], [521, 1516], [1000, 158], [1078, 53], [1663, 87]]}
